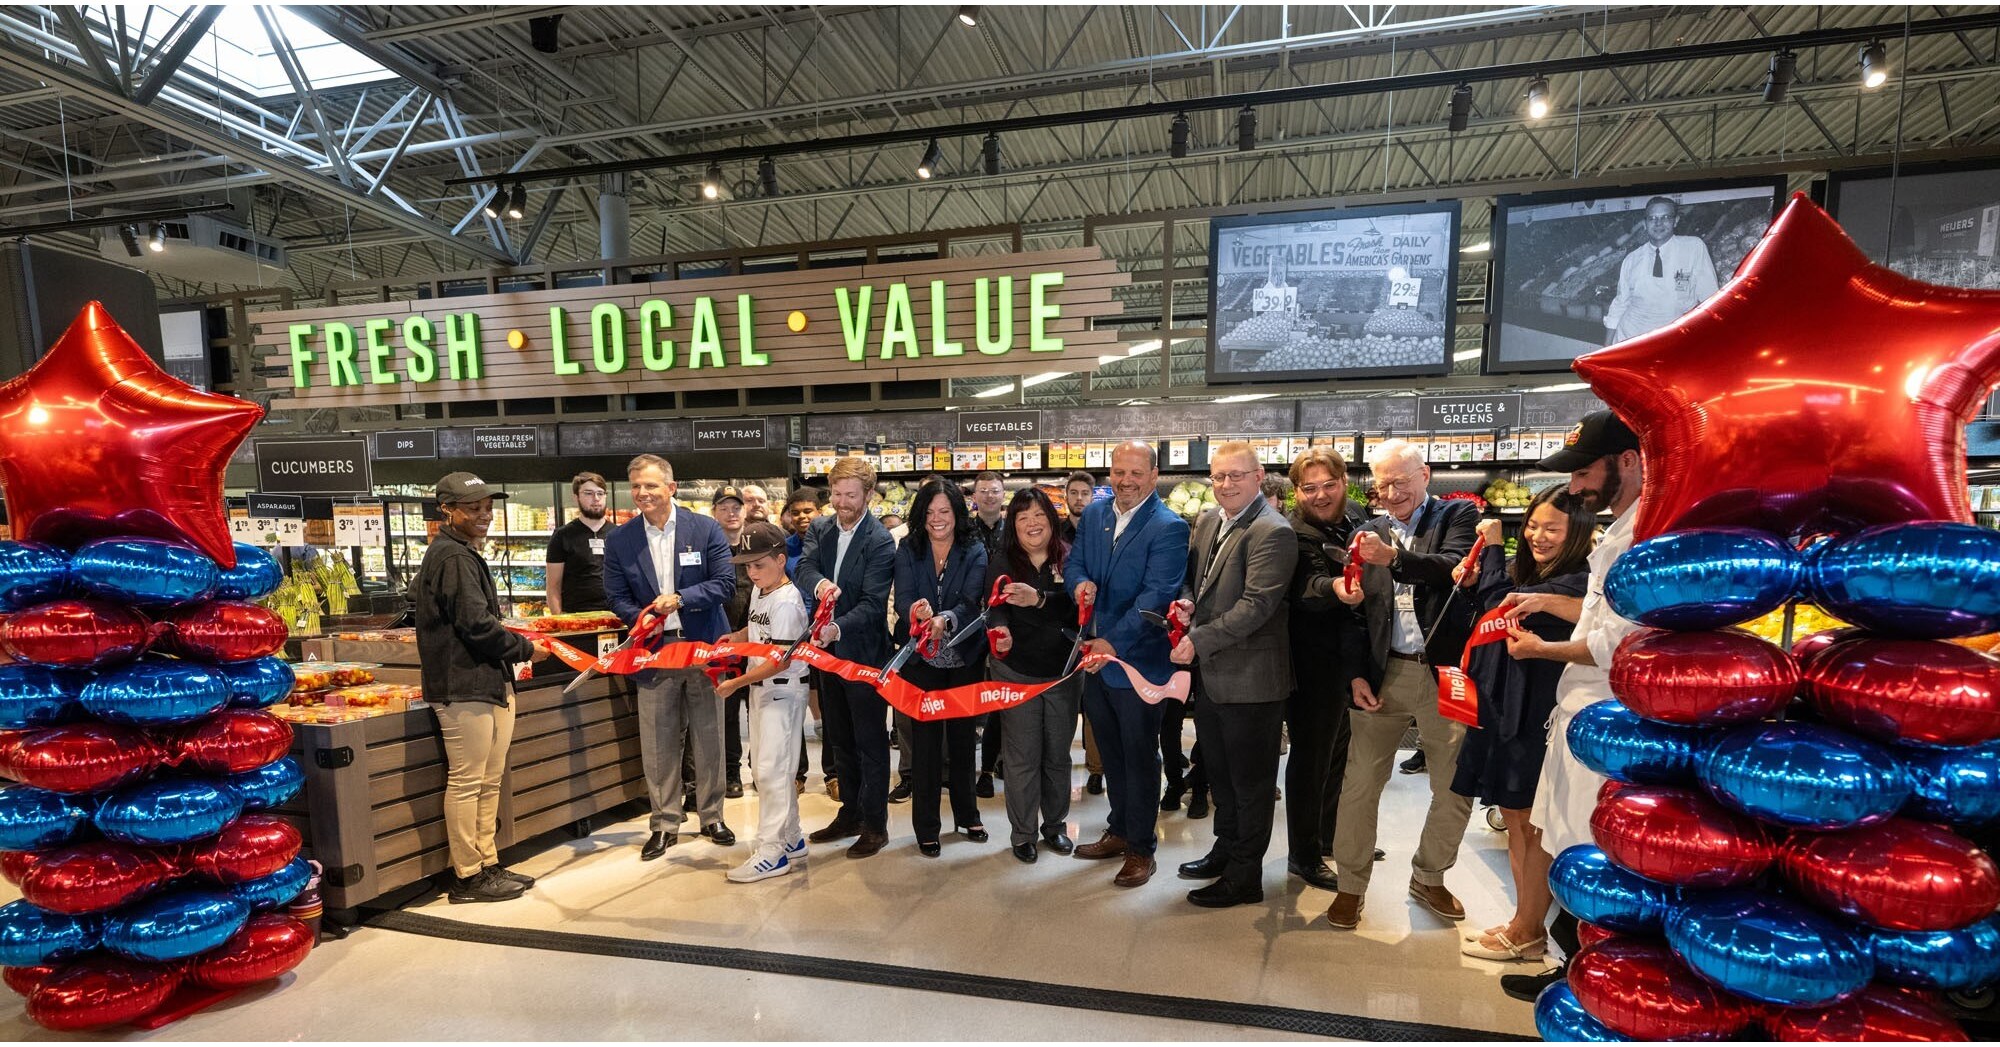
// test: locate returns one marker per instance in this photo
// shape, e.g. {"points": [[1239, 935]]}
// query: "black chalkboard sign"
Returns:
{"points": [[1557, 410], [1373, 414]]}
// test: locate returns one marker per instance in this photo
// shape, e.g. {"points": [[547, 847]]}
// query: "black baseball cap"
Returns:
{"points": [[465, 487], [723, 494], [1600, 433], [759, 540]]}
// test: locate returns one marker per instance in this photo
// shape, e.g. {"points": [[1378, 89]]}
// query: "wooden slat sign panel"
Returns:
{"points": [[1010, 314]]}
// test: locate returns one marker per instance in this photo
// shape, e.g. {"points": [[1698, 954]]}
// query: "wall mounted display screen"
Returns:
{"points": [[1946, 220], [1579, 270], [1359, 292]]}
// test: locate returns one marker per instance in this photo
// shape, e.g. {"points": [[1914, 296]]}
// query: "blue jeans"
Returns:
{"points": [[1128, 740]]}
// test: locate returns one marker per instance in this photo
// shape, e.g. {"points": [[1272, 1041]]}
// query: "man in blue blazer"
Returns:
{"points": [[1130, 556], [677, 563], [850, 559]]}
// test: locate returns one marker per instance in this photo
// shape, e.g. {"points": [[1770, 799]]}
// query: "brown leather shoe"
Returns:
{"points": [[870, 842], [1138, 868], [835, 830], [1438, 900], [1107, 846], [1345, 912]]}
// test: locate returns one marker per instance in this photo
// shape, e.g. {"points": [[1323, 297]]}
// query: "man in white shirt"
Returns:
{"points": [[1602, 457], [1661, 279]]}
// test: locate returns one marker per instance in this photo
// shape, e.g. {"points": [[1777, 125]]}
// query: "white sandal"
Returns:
{"points": [[1473, 936], [1508, 951]]}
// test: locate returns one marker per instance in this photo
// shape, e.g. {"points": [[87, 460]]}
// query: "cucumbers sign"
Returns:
{"points": [[655, 332]]}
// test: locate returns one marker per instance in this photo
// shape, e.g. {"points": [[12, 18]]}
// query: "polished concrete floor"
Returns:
{"points": [[976, 910]]}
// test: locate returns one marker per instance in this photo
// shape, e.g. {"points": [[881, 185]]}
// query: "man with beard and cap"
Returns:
{"points": [[1601, 456], [576, 551]]}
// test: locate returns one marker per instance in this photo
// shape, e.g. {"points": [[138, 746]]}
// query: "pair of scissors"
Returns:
{"points": [[649, 622], [995, 599]]}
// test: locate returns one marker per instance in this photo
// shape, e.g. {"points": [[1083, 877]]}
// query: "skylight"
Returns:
{"points": [[238, 51]]}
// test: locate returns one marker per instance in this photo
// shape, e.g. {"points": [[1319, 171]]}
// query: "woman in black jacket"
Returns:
{"points": [[1502, 758], [940, 567], [1029, 647]]}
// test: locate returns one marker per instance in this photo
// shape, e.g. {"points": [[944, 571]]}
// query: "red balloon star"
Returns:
{"points": [[1816, 391], [97, 440]]}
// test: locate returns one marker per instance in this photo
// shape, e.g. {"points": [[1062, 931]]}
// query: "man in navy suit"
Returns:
{"points": [[850, 559], [1130, 556], [676, 563]]}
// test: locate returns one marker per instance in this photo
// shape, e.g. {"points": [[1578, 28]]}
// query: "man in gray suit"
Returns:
{"points": [[1240, 561]]}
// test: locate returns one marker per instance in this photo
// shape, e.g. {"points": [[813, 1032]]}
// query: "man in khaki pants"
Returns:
{"points": [[1406, 588], [466, 656]]}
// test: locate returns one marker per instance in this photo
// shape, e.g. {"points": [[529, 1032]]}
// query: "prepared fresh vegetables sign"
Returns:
{"points": [[1364, 291]]}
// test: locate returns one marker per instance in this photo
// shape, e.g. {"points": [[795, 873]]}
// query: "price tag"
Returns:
{"points": [[606, 643], [1177, 452], [358, 525], [290, 532], [1031, 456], [1405, 291]]}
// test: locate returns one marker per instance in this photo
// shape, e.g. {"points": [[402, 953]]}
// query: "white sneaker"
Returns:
{"points": [[760, 867], [796, 850]]}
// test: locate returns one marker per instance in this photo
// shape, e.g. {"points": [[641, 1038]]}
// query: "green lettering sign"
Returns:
{"points": [[939, 346], [418, 335], [461, 344], [705, 340], [746, 338], [1003, 309], [656, 316], [559, 343], [375, 334], [854, 321], [898, 328], [1041, 311], [340, 355], [301, 356], [607, 338]]}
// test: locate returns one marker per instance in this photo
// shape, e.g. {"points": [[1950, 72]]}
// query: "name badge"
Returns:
{"points": [[1406, 601], [691, 558], [597, 547]]}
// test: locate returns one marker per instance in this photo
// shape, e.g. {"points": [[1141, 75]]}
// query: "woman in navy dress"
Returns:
{"points": [[1502, 758]]}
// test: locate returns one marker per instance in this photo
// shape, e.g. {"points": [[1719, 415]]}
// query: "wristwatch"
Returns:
{"points": [[1395, 562]]}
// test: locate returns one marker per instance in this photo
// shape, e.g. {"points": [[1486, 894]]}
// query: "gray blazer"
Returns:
{"points": [[1241, 631]]}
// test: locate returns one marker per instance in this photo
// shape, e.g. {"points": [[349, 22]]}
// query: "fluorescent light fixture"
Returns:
{"points": [[1481, 247], [998, 390], [1044, 378], [1466, 354], [1243, 398], [1566, 387]]}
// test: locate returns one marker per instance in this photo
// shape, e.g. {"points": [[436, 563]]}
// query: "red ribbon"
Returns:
{"points": [[1458, 698]]}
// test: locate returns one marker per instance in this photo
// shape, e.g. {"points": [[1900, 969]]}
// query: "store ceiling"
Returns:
{"points": [[633, 82]]}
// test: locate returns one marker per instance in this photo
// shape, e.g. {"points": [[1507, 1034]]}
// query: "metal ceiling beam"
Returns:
{"points": [[30, 62], [86, 44], [458, 23], [1288, 95], [176, 52]]}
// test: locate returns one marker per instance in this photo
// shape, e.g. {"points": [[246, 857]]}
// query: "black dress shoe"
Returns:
{"points": [[1059, 842], [720, 834], [1171, 799], [1414, 765], [1206, 867], [1315, 873], [523, 879], [1094, 785], [901, 793], [977, 833], [837, 829], [1381, 855], [1026, 853], [734, 790], [657, 845], [687, 802], [929, 848], [1222, 894], [984, 787], [1198, 806], [1526, 987]]}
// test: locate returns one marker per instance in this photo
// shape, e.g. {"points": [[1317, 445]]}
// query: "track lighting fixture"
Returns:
{"points": [[928, 166], [1177, 137], [517, 201], [989, 153], [711, 183], [1461, 108], [1246, 129], [1778, 78], [1874, 65], [767, 176], [1538, 98], [968, 15], [159, 241], [129, 233], [491, 208]]}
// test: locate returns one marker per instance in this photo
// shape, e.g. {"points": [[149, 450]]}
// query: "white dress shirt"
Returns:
{"points": [[660, 542], [1645, 302], [1406, 634], [1118, 530]]}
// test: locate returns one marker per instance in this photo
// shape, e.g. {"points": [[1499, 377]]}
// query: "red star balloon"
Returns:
{"points": [[1816, 391], [97, 440]]}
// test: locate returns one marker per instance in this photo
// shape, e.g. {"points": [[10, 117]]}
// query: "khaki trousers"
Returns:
{"points": [[476, 735], [1408, 692]]}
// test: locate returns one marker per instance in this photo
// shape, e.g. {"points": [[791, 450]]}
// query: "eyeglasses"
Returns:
{"points": [[1312, 490], [1233, 476], [1386, 487]]}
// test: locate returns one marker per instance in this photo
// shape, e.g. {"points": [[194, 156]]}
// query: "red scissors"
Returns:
{"points": [[1471, 558], [649, 622], [1084, 609], [994, 599], [1351, 574]]}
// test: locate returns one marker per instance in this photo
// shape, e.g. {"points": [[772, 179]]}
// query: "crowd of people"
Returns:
{"points": [[1292, 651]]}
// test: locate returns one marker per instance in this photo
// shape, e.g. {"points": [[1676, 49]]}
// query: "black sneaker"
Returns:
{"points": [[1416, 764], [733, 790], [1525, 987], [901, 793], [484, 886], [1094, 785], [505, 873]]}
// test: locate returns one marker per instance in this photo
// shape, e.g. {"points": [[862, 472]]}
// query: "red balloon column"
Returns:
{"points": [[1817, 881], [137, 756]]}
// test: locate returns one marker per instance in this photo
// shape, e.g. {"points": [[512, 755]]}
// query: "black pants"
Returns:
{"points": [[989, 738], [857, 729], [1313, 773], [1564, 931], [1173, 717], [933, 744], [1240, 748]]}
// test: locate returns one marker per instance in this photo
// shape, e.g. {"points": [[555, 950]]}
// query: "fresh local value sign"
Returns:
{"points": [[955, 317]]}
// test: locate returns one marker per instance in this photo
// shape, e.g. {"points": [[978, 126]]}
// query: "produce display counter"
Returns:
{"points": [[372, 810]]}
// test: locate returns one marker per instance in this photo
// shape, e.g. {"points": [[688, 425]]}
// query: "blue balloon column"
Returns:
{"points": [[1807, 866], [134, 827]]}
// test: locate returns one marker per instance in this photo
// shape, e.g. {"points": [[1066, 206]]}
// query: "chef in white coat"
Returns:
{"points": [[1601, 456]]}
